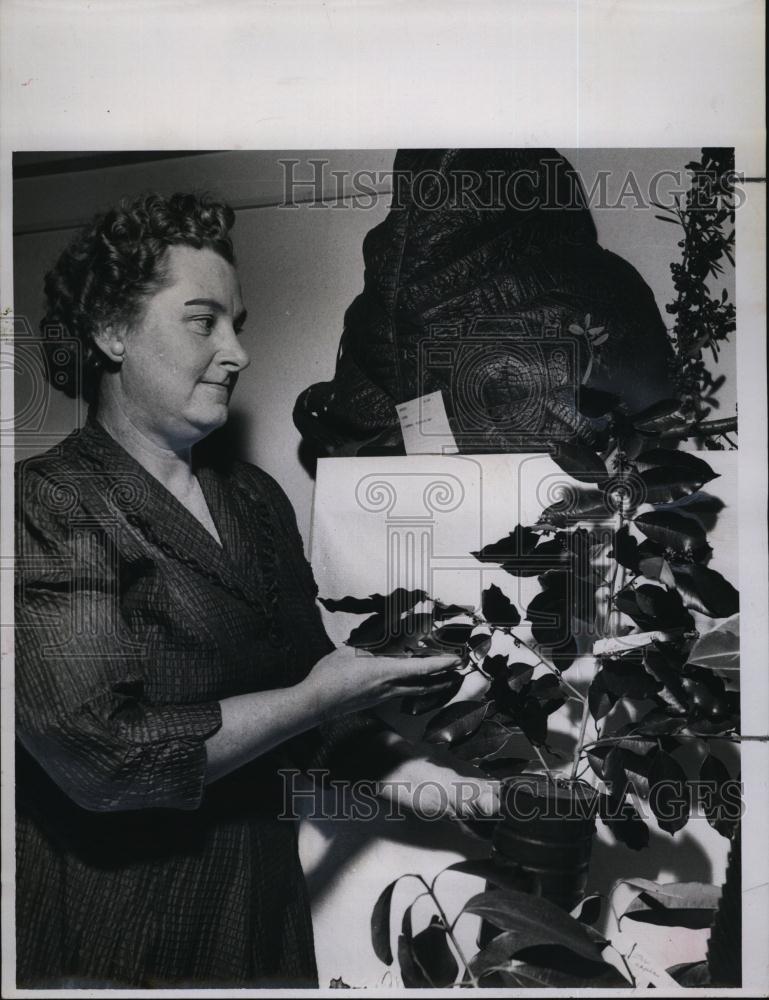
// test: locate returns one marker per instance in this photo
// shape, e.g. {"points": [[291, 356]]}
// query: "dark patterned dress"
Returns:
{"points": [[132, 623]]}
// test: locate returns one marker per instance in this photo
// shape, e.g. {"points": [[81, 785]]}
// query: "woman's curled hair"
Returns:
{"points": [[109, 269]]}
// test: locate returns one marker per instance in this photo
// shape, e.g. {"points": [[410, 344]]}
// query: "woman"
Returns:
{"points": [[169, 655]]}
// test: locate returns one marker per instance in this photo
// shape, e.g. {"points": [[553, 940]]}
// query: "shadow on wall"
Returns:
{"points": [[235, 439]]}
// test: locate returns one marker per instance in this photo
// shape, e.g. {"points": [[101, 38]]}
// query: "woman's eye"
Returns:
{"points": [[204, 322]]}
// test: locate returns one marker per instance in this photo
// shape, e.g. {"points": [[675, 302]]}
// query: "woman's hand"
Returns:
{"points": [[348, 679]]}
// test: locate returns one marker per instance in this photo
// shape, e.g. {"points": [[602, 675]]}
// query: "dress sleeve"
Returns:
{"points": [[81, 709]]}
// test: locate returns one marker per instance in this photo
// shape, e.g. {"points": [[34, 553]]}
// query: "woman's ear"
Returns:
{"points": [[110, 341]]}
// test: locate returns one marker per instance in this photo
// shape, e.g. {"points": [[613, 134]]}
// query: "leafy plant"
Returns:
{"points": [[537, 944], [622, 563], [704, 317]]}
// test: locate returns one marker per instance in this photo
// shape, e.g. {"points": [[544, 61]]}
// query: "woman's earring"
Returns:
{"points": [[118, 350]]}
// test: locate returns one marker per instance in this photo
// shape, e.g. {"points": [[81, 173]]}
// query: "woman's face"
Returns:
{"points": [[182, 357]]}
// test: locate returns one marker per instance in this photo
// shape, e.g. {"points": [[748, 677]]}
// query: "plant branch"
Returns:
{"points": [[449, 928], [580, 740], [549, 666], [543, 762]]}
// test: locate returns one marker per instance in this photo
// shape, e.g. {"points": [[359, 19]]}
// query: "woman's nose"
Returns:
{"points": [[233, 355]]}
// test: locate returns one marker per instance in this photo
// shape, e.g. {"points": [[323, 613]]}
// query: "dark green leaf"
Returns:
{"points": [[671, 691], [690, 974], [371, 632], [618, 813], [668, 792], [720, 811], [580, 463], [700, 503], [673, 904], [626, 678], [496, 954], [380, 924], [494, 666], [401, 600], [658, 723], [667, 458], [705, 590], [636, 768], [548, 692], [479, 644], [550, 615], [596, 757], [628, 827], [588, 910], [456, 722], [502, 876], [356, 605], [515, 546], [413, 977], [661, 608], [568, 976], [394, 605], [490, 739], [388, 636], [576, 505], [453, 634], [719, 651], [443, 611], [625, 549], [431, 951], [671, 530], [657, 603], [668, 484], [442, 691], [664, 417], [536, 921], [600, 699], [498, 609]]}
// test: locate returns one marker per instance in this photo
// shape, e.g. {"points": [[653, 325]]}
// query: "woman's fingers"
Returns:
{"points": [[422, 666]]}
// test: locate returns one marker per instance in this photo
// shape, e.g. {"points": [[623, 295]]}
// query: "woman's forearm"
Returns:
{"points": [[253, 724], [343, 681]]}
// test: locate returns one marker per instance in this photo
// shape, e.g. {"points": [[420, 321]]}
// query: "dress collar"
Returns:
{"points": [[163, 519]]}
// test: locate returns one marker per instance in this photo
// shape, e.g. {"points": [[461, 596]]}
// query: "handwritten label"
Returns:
{"points": [[425, 426], [646, 971]]}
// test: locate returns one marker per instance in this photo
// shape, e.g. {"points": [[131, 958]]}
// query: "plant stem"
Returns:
{"points": [[543, 762], [536, 750], [580, 740], [450, 931], [550, 667], [607, 627]]}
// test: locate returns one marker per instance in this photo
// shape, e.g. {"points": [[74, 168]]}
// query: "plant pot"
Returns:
{"points": [[546, 836], [544, 840]]}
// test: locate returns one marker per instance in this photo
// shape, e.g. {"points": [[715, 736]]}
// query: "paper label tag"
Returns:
{"points": [[425, 426], [646, 971]]}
